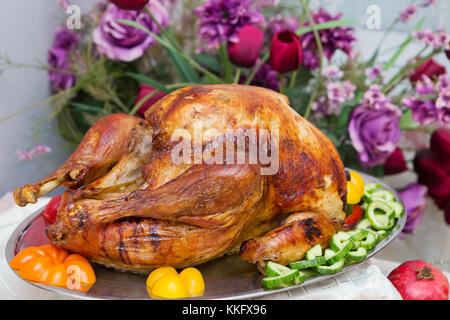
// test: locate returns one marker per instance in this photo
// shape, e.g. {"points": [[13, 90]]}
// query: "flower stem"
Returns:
{"points": [[225, 62], [282, 78], [171, 39], [257, 67], [293, 78], [142, 101], [237, 76], [320, 49]]}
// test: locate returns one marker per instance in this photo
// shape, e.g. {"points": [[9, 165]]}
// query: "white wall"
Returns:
{"points": [[26, 33]]}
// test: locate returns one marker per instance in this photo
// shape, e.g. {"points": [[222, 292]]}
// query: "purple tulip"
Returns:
{"points": [[413, 197], [125, 43]]}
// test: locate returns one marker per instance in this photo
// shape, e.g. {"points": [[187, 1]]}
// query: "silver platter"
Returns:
{"points": [[229, 277]]}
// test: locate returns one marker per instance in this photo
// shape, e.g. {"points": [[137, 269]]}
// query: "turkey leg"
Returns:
{"points": [[105, 143]]}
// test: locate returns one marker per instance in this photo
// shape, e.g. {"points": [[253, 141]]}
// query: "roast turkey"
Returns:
{"points": [[131, 204]]}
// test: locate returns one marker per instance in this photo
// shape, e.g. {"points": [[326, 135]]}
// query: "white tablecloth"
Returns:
{"points": [[365, 281]]}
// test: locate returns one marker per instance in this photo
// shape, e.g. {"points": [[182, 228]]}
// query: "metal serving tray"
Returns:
{"points": [[228, 277]]}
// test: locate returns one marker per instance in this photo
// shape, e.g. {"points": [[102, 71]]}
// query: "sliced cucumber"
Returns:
{"points": [[339, 255], [274, 269], [382, 234], [281, 280], [370, 240], [364, 224], [371, 187], [315, 251], [380, 215], [356, 235], [300, 278], [305, 264], [339, 240], [399, 211], [334, 268], [355, 256], [382, 195]]}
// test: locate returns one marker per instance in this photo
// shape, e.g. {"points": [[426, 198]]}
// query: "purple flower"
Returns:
{"points": [[424, 86], [443, 83], [280, 23], [428, 3], [439, 40], [37, 150], [125, 43], [332, 40], [374, 73], [443, 100], [221, 20], [58, 57], [332, 72], [413, 197], [339, 92], [65, 39], [266, 77], [374, 128], [424, 112], [60, 76], [409, 13]]}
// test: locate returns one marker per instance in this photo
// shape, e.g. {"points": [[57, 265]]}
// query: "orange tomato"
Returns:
{"points": [[52, 265]]}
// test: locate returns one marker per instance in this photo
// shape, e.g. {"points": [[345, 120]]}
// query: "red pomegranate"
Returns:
{"points": [[419, 280]]}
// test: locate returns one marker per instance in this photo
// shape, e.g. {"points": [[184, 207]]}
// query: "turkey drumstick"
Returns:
{"points": [[106, 142]]}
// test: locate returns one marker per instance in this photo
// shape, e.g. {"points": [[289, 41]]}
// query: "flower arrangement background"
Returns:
{"points": [[130, 53]]}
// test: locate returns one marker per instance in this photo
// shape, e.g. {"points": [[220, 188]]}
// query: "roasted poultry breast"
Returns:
{"points": [[131, 204]]}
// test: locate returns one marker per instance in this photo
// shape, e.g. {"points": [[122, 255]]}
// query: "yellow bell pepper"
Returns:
{"points": [[355, 188], [166, 283]]}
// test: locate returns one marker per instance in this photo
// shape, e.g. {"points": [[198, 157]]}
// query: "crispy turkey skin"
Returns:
{"points": [[129, 206]]}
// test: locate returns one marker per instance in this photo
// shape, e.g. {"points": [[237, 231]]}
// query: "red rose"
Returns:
{"points": [[430, 68], [245, 52], [440, 143], [144, 90], [395, 163], [130, 4], [285, 51]]}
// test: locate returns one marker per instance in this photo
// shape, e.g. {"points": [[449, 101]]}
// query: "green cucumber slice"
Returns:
{"points": [[364, 224], [305, 264], [370, 240], [382, 234], [356, 235], [274, 269], [355, 256], [380, 215], [333, 269], [399, 211], [382, 195], [339, 240], [300, 278], [314, 252], [339, 255], [280, 281]]}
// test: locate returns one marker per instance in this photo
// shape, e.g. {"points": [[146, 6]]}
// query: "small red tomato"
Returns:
{"points": [[51, 209]]}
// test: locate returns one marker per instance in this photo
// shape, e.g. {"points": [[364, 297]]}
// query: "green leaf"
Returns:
{"points": [[210, 62], [344, 116], [85, 107], [183, 68], [326, 25], [407, 122], [402, 47], [144, 79]]}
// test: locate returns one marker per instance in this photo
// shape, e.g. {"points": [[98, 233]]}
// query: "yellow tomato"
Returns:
{"points": [[169, 287], [355, 188], [194, 281], [158, 273]]}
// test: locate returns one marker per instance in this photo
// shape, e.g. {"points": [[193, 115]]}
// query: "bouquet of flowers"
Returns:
{"points": [[130, 53]]}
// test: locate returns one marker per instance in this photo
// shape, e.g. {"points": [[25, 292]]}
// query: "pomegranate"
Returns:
{"points": [[419, 280]]}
